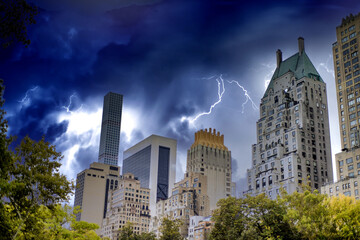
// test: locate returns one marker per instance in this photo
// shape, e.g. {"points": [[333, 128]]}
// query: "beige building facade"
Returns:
{"points": [[347, 80], [129, 203], [203, 229], [92, 189], [189, 198], [210, 157], [293, 138]]}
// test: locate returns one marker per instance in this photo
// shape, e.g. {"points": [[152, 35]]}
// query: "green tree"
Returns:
{"points": [[309, 213], [30, 179], [35, 181], [147, 236], [5, 165], [15, 17], [251, 218], [345, 217], [127, 233], [60, 223], [169, 229]]}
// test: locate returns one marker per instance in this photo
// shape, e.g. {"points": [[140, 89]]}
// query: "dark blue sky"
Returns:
{"points": [[165, 57]]}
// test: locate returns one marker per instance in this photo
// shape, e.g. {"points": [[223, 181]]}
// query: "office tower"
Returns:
{"points": [[293, 139], [209, 156], [127, 204], [189, 198], [153, 162], [110, 129], [92, 188], [347, 81]]}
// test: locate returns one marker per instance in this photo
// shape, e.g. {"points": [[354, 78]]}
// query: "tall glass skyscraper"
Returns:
{"points": [[153, 162], [110, 129]]}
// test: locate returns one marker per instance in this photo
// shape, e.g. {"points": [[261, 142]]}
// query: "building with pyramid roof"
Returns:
{"points": [[293, 137]]}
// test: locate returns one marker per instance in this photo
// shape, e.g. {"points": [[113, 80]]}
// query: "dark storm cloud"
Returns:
{"points": [[158, 54], [85, 156], [56, 130]]}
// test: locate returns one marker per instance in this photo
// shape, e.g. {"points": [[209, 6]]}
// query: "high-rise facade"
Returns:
{"points": [[209, 156], [153, 162], [293, 139], [347, 75], [110, 129], [347, 81], [92, 189], [189, 198], [129, 203]]}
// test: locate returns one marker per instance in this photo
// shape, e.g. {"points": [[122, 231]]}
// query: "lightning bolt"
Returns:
{"points": [[26, 98], [221, 91], [70, 102], [248, 98]]}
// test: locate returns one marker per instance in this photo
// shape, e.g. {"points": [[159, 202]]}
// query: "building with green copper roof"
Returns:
{"points": [[298, 63], [293, 137]]}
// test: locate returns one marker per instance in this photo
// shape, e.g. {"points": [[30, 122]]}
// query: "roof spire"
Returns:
{"points": [[278, 57], [301, 45]]}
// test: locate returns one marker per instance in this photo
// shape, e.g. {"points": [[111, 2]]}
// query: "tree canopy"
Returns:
{"points": [[15, 17], [170, 229], [128, 233], [32, 189], [305, 215]]}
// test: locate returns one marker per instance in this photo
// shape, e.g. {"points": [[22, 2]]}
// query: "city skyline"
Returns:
{"points": [[168, 59]]}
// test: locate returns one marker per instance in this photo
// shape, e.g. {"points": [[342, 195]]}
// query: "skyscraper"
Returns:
{"points": [[127, 204], [153, 162], [188, 198], [209, 156], [110, 129], [92, 188], [293, 139], [347, 81]]}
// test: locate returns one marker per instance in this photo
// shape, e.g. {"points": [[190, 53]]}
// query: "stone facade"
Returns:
{"points": [[127, 204], [347, 80], [189, 198], [92, 188], [203, 229], [209, 156], [293, 139]]}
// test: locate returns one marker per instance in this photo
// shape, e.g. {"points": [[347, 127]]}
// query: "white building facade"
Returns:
{"points": [[293, 138]]}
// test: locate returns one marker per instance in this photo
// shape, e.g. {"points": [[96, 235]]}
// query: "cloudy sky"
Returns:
{"points": [[171, 59]]}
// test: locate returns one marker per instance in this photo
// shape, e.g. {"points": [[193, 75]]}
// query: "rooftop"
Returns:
{"points": [[299, 64]]}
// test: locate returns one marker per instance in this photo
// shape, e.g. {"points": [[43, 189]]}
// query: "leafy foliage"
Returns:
{"points": [[127, 233], [54, 224], [305, 215], [250, 218], [33, 180], [169, 229], [31, 186], [15, 16]]}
